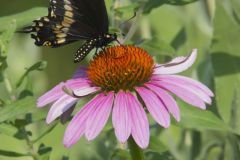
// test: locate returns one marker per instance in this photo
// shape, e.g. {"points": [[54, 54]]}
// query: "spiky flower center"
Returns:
{"points": [[120, 67]]}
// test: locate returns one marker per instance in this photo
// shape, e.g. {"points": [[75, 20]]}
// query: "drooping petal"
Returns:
{"points": [[139, 122], [181, 92], [185, 81], [80, 73], [167, 100], [59, 107], [121, 117], [98, 118], [67, 114], [76, 127], [77, 83], [154, 106], [177, 65], [51, 95], [85, 90]]}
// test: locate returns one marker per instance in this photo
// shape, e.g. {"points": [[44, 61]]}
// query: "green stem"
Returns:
{"points": [[45, 133], [134, 26], [135, 151], [8, 86], [30, 145]]}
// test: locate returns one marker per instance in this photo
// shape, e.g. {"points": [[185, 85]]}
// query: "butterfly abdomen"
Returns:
{"points": [[83, 51]]}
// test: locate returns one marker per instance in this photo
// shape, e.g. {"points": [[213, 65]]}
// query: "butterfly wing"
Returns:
{"points": [[69, 21], [95, 14]]}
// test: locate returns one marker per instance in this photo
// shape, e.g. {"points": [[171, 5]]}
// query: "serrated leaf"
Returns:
{"points": [[17, 108], [39, 66]]}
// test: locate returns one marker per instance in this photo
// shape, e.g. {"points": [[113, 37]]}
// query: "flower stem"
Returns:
{"points": [[8, 86], [30, 144], [135, 151]]}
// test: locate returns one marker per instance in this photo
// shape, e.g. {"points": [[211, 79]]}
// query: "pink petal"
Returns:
{"points": [[121, 117], [80, 73], [51, 95], [77, 83], [155, 106], [59, 107], [185, 81], [139, 122], [76, 127], [181, 92], [198, 92], [167, 100], [98, 118], [85, 90], [177, 65]]}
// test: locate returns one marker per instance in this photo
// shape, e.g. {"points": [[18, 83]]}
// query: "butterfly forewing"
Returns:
{"points": [[69, 21], [95, 14]]}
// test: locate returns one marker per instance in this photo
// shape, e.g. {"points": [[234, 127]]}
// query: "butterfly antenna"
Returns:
{"points": [[135, 14], [119, 42]]}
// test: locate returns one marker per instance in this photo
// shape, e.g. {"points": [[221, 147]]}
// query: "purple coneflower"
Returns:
{"points": [[125, 81]]}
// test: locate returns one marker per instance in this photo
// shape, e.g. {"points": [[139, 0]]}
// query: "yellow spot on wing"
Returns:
{"points": [[61, 40]]}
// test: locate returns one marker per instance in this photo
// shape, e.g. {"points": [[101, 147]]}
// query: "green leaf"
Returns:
{"points": [[6, 37], [152, 4], [180, 39], [127, 9], [157, 47], [225, 53], [22, 19], [48, 130], [8, 129], [135, 151], [39, 66], [44, 152], [120, 154], [198, 119], [196, 144], [156, 145], [12, 154], [65, 158], [17, 108], [236, 10], [180, 2]]}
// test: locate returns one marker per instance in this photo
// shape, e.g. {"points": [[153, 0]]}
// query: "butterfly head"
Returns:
{"points": [[110, 37]]}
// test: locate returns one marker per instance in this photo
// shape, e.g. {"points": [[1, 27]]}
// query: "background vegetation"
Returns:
{"points": [[165, 28]]}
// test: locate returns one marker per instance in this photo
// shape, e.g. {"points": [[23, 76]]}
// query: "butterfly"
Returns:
{"points": [[72, 20]]}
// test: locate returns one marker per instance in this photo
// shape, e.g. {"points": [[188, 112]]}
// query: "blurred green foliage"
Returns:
{"points": [[165, 28]]}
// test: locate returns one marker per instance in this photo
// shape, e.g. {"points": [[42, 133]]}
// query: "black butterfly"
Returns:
{"points": [[73, 20]]}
